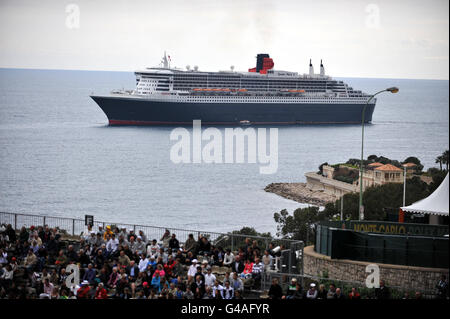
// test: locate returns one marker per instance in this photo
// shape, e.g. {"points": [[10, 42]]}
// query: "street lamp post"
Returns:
{"points": [[404, 185], [361, 207]]}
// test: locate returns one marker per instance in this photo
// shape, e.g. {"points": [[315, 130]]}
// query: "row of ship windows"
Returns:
{"points": [[265, 99], [277, 101], [225, 80], [212, 76]]}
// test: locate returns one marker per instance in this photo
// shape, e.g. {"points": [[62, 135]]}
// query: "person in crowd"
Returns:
{"points": [[312, 292], [143, 262], [101, 292], [132, 271], [83, 291], [275, 290], [237, 266], [267, 260], [322, 292], [291, 289], [354, 294], [143, 236], [331, 294], [198, 287], [382, 292], [112, 245], [217, 289], [228, 291], [248, 268], [204, 246], [442, 287], [227, 277], [30, 261], [124, 259], [153, 249], [192, 269], [236, 283], [165, 239], [338, 294], [139, 247], [210, 278], [174, 244], [257, 271], [190, 244], [228, 258], [90, 274]]}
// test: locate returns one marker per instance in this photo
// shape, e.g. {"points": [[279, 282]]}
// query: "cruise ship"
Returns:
{"points": [[260, 96]]}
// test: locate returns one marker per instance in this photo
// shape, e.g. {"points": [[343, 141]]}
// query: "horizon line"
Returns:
{"points": [[99, 70]]}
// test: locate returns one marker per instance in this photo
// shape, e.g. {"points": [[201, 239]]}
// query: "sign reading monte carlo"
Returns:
{"points": [[395, 228]]}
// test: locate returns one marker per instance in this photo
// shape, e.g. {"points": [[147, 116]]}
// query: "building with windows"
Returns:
{"points": [[374, 175]]}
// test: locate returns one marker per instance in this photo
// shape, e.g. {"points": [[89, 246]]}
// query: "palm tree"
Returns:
{"points": [[445, 158], [439, 160]]}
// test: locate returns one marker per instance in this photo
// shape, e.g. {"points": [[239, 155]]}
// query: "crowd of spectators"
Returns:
{"points": [[117, 263]]}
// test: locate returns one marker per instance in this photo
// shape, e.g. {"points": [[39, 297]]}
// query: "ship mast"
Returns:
{"points": [[165, 61]]}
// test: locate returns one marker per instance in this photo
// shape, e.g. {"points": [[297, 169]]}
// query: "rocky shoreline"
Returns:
{"points": [[299, 193]]}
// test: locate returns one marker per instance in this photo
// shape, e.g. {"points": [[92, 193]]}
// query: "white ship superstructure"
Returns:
{"points": [[165, 95]]}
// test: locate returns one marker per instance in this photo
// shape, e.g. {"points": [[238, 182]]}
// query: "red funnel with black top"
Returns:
{"points": [[263, 63]]}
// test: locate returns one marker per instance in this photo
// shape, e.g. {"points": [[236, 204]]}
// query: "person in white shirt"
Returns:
{"points": [[7, 275], [228, 258], [217, 289], [143, 262], [257, 270], [228, 291], [267, 260], [210, 279], [112, 244], [192, 269], [153, 249], [3, 257], [48, 288]]}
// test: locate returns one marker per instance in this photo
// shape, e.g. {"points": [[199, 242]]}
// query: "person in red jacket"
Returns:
{"points": [[101, 292], [168, 267], [83, 292], [248, 268], [354, 294]]}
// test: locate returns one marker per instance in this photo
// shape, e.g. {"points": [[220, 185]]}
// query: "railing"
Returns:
{"points": [[76, 227]]}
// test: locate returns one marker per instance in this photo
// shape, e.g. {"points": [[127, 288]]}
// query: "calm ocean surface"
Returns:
{"points": [[59, 157]]}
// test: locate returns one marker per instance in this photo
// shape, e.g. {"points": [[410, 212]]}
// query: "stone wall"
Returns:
{"points": [[407, 277]]}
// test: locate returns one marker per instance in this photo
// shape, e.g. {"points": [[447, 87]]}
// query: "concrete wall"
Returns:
{"points": [[407, 277], [316, 182]]}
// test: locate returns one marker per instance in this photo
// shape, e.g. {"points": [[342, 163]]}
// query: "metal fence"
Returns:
{"points": [[76, 227]]}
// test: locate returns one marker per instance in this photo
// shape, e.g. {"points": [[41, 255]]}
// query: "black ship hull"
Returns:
{"points": [[139, 111]]}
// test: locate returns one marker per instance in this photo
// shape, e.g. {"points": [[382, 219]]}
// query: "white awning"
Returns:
{"points": [[435, 204]]}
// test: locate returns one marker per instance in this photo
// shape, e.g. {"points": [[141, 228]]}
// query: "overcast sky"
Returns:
{"points": [[355, 38]]}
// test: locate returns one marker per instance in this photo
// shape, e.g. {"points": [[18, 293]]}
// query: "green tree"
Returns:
{"points": [[416, 161], [377, 198], [299, 225], [437, 177]]}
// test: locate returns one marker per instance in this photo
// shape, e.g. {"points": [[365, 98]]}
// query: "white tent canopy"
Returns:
{"points": [[435, 204]]}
